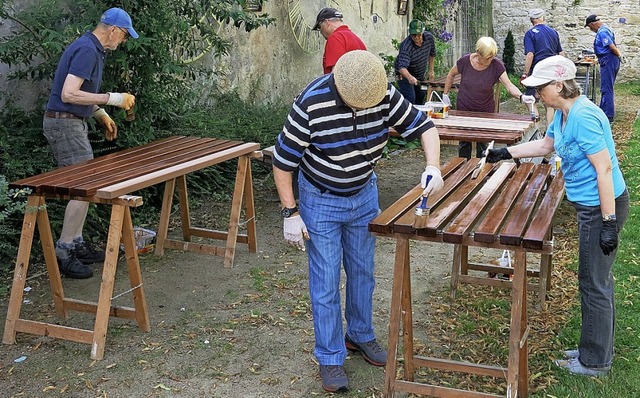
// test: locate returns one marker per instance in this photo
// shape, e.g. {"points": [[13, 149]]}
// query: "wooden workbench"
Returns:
{"points": [[111, 180], [505, 208], [503, 128]]}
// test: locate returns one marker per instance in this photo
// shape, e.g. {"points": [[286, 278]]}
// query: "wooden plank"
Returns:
{"points": [[459, 366], [460, 190], [55, 331], [91, 308], [542, 220], [21, 267], [439, 391], [383, 222], [131, 168], [108, 280], [69, 171], [487, 230], [477, 123], [395, 317], [163, 175], [501, 137], [518, 220], [462, 224]]}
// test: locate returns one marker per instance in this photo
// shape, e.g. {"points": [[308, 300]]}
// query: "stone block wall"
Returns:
{"points": [[567, 17]]}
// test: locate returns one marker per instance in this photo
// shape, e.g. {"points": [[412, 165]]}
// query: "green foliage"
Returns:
{"points": [[509, 52], [158, 67], [161, 68]]}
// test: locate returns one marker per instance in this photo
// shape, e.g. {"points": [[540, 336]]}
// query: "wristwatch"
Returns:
{"points": [[608, 217], [288, 211]]}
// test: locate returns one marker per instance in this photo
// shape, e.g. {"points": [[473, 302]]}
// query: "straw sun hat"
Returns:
{"points": [[360, 79]]}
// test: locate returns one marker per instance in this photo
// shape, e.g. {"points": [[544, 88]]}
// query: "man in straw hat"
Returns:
{"points": [[336, 131], [609, 58], [540, 42], [340, 39]]}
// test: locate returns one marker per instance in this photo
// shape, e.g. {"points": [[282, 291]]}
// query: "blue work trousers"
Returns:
{"points": [[339, 236], [595, 283], [609, 67]]}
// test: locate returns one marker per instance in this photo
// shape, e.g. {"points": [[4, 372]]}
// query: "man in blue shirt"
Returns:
{"points": [[75, 96], [540, 42], [417, 52], [609, 57]]}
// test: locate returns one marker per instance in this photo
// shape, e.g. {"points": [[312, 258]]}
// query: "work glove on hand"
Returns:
{"points": [[110, 128], [609, 236], [446, 100], [496, 155], [436, 182], [125, 101], [295, 232], [528, 99]]}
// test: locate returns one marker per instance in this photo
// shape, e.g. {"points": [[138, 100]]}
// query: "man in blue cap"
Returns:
{"points": [[417, 52], [609, 58], [75, 96]]}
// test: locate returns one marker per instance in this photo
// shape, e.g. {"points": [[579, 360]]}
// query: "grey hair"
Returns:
{"points": [[570, 89]]}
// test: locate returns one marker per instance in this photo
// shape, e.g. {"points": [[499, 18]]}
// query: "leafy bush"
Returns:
{"points": [[161, 68], [508, 53]]}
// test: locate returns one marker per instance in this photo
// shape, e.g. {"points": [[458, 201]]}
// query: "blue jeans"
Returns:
{"points": [[411, 93], [595, 282], [338, 228]]}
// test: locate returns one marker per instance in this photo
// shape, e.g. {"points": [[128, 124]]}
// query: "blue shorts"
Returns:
{"points": [[69, 140]]}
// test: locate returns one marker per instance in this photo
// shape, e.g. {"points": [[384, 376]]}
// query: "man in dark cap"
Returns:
{"points": [[540, 42], [75, 96], [417, 52], [609, 57], [340, 39]]}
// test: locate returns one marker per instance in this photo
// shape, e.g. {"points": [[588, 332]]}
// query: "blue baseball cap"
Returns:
{"points": [[119, 17]]}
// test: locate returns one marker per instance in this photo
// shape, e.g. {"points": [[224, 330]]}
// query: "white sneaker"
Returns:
{"points": [[574, 366]]}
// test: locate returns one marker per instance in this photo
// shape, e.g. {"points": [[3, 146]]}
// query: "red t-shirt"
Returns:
{"points": [[341, 41], [476, 86]]}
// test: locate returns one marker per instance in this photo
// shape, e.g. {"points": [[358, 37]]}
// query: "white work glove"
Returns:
{"points": [[528, 99], [295, 232], [125, 101], [436, 182], [110, 128], [446, 100]]}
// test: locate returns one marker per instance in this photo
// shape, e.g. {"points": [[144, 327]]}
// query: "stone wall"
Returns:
{"points": [[567, 17], [269, 64]]}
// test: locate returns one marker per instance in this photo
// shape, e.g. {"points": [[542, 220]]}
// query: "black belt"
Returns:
{"points": [[61, 115], [325, 190]]}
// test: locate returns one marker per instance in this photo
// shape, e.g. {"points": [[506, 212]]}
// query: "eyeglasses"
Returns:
{"points": [[126, 32], [540, 88]]}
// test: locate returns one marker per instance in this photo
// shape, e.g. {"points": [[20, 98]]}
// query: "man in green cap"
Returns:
{"points": [[417, 51]]}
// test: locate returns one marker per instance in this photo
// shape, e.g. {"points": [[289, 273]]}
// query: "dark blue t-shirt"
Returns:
{"points": [[83, 58], [543, 42]]}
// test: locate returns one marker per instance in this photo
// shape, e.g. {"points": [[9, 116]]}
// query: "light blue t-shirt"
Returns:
{"points": [[587, 132]]}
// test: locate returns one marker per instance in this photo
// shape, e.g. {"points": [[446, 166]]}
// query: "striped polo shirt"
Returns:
{"points": [[336, 147], [416, 59]]}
